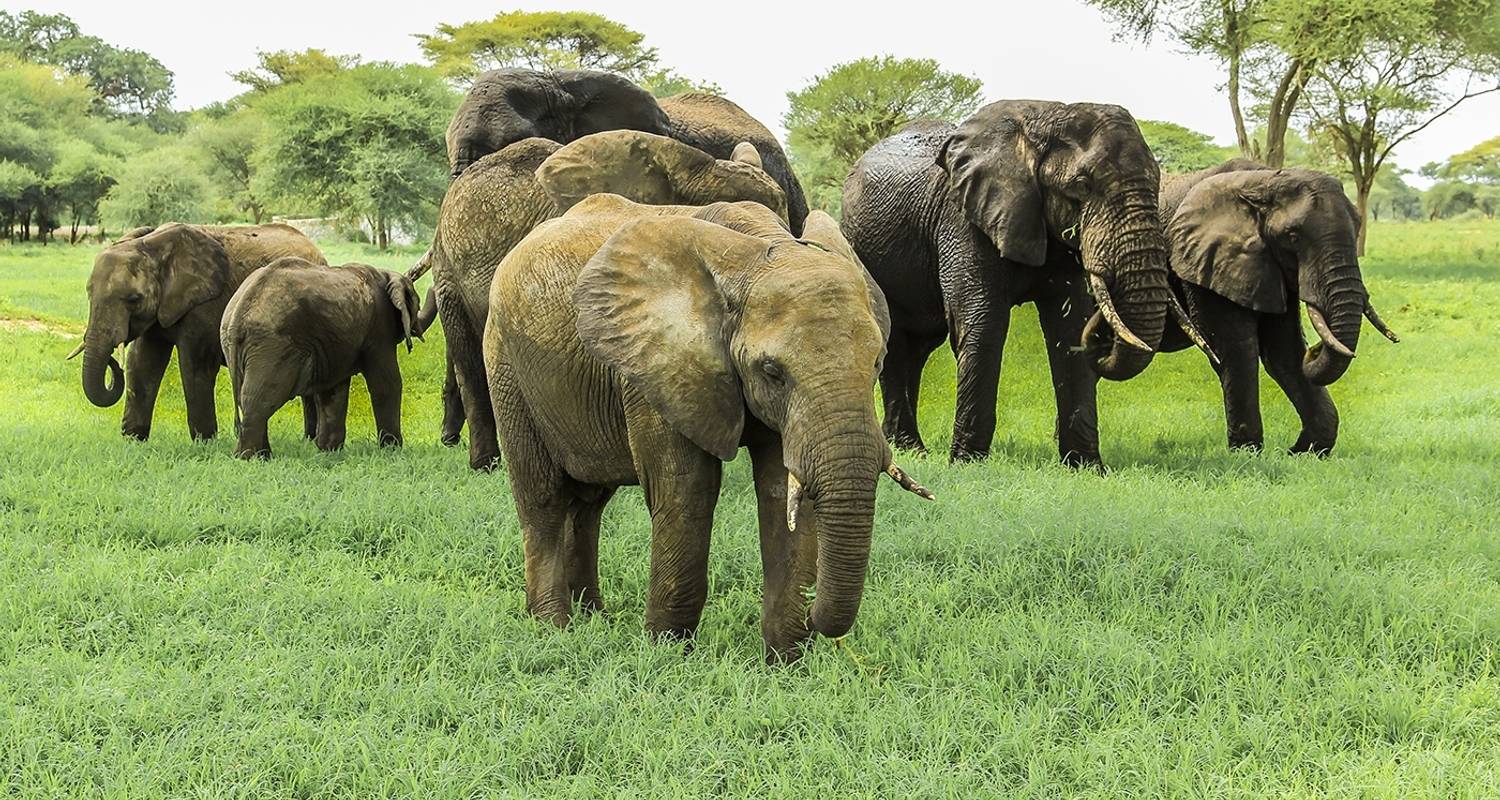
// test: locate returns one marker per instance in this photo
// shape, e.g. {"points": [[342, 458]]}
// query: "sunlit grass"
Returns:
{"points": [[1201, 623]]}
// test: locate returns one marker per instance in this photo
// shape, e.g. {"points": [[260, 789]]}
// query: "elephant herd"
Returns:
{"points": [[632, 290]]}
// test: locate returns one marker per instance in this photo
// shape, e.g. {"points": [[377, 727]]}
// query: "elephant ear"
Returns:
{"points": [[821, 231], [642, 167], [194, 267], [1217, 244], [408, 305], [650, 307], [991, 161]]}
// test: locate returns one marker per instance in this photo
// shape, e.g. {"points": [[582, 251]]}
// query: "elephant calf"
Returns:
{"points": [[297, 328], [1248, 244]]}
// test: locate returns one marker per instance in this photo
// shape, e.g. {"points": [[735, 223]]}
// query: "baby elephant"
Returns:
{"points": [[297, 328]]}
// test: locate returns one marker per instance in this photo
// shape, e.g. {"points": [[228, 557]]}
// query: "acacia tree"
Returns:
{"points": [[1179, 149], [227, 147], [548, 40], [833, 120], [1400, 66], [126, 82], [285, 67]]}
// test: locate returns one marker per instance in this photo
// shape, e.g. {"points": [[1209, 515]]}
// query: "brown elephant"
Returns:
{"points": [[299, 329], [503, 196], [646, 344], [164, 288], [1249, 244]]}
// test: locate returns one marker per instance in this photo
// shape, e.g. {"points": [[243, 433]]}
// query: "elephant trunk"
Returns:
{"points": [[1336, 317], [1125, 254], [97, 356], [847, 461]]}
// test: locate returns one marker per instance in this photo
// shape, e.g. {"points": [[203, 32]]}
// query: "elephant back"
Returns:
{"points": [[716, 125], [1175, 188]]}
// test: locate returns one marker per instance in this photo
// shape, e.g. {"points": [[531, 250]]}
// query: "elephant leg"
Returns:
{"points": [[788, 560], [980, 325], [309, 417], [1281, 350], [1231, 332], [333, 415], [144, 368], [383, 377], [896, 393], [583, 564], [200, 371], [466, 354], [681, 484], [453, 407], [262, 392], [1074, 382], [538, 485]]}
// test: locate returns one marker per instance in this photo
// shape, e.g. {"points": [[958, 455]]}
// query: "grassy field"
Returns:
{"points": [[174, 623]]}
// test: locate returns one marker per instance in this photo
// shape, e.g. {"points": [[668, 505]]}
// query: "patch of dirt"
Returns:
{"points": [[37, 326]]}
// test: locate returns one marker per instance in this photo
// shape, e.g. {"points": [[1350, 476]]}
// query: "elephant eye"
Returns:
{"points": [[134, 298], [773, 369]]}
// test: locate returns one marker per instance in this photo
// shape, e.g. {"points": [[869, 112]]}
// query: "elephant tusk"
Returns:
{"points": [[1190, 329], [421, 267], [1325, 333], [905, 481], [76, 351], [793, 500], [1375, 320], [1107, 305]]}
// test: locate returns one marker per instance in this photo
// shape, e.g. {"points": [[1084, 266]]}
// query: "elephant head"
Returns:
{"points": [[1268, 238], [709, 323], [408, 305], [139, 283], [508, 105], [1034, 174], [654, 170]]}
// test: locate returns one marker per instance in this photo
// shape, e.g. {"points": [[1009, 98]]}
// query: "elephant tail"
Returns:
{"points": [[236, 378]]}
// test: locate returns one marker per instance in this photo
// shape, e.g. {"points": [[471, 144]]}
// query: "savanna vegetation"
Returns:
{"points": [[1197, 622]]}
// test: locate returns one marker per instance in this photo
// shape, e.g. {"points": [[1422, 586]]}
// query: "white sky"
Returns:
{"points": [[1056, 49]]}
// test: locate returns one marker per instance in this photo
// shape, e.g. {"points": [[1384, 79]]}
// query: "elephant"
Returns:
{"points": [[1025, 201], [300, 329], [166, 287], [502, 196], [508, 105], [1248, 243], [630, 344]]}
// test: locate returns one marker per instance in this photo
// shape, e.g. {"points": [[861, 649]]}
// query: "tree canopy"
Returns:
{"points": [[547, 40], [1179, 149], [845, 111]]}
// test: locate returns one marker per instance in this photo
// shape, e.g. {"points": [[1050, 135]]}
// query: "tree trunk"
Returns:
{"points": [[1241, 136], [1362, 203]]}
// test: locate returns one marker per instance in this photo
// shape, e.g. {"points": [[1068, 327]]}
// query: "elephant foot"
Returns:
{"points": [[451, 438], [139, 434], [591, 603], [902, 440], [1085, 461], [1247, 445], [204, 435], [485, 462], [252, 454], [967, 455], [1317, 445]]}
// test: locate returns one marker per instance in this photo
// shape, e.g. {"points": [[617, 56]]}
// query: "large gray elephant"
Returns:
{"points": [[507, 105], [1248, 244], [503, 196], [163, 288], [1026, 201], [646, 344]]}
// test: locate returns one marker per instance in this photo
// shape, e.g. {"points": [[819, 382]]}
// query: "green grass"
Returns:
{"points": [[1198, 623]]}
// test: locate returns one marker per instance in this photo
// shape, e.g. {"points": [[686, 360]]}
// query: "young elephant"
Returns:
{"points": [[164, 288], [645, 344], [1249, 243], [296, 328], [502, 196]]}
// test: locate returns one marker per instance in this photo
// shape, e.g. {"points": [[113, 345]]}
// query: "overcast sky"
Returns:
{"points": [[1057, 49]]}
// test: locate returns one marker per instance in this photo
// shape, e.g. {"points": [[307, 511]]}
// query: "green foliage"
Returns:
{"points": [[1478, 164], [363, 143], [1179, 149], [547, 40], [126, 82], [1198, 623], [833, 120], [227, 147], [158, 186], [283, 67]]}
